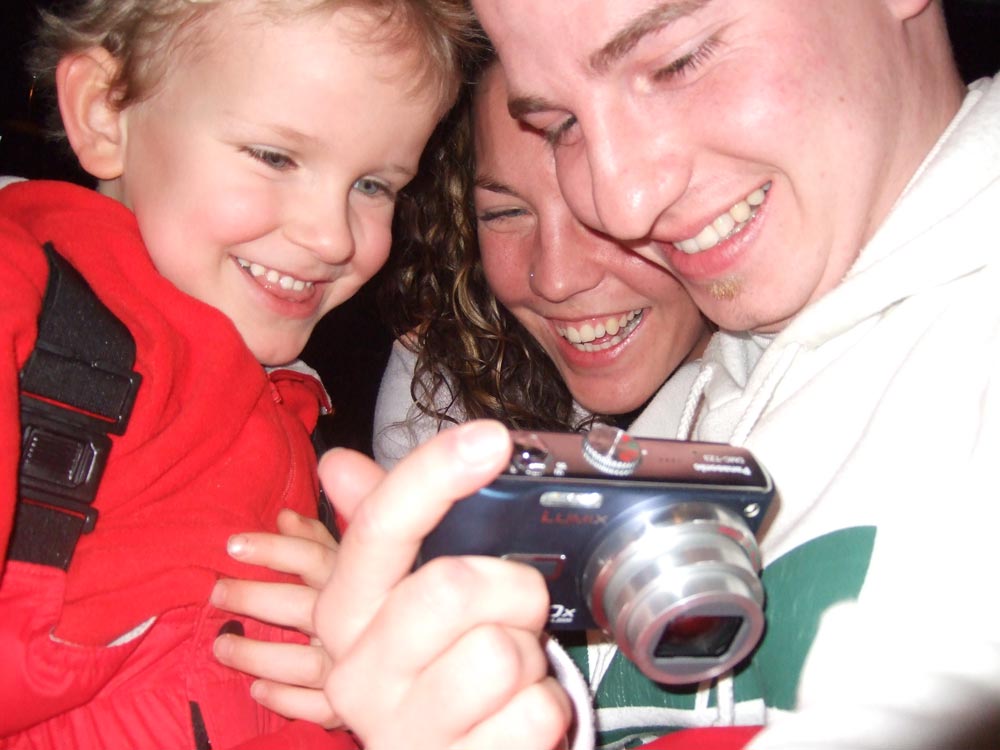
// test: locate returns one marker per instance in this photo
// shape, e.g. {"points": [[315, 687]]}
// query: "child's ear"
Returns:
{"points": [[904, 9], [93, 122]]}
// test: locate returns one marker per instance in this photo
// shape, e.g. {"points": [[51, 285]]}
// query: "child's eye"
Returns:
{"points": [[687, 63], [373, 188], [273, 159]]}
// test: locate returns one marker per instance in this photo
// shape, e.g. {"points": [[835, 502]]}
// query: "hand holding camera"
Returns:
{"points": [[650, 540]]}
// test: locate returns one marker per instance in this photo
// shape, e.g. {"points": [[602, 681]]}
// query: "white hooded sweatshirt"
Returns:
{"points": [[876, 413]]}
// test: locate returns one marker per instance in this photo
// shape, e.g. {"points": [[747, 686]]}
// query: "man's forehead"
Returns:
{"points": [[604, 31], [607, 28]]}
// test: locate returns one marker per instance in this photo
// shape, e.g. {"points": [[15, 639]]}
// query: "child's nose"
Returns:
{"points": [[321, 226]]}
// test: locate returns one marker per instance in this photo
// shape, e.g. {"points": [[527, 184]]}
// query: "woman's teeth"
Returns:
{"points": [[617, 328], [272, 276], [726, 225]]}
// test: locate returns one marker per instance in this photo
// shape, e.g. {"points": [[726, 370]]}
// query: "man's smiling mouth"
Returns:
{"points": [[610, 332], [726, 224]]}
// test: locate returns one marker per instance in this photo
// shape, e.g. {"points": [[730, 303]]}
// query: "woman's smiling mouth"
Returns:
{"points": [[595, 337]]}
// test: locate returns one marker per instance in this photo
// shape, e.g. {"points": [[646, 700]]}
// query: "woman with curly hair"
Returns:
{"points": [[506, 307]]}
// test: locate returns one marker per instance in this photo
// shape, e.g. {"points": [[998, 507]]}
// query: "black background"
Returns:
{"points": [[350, 346]]}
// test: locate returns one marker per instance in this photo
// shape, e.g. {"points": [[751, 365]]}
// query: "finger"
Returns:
{"points": [[347, 478], [305, 557], [480, 673], [442, 601], [311, 560], [291, 523], [295, 702], [302, 665], [382, 540], [287, 604], [488, 667], [540, 716]]}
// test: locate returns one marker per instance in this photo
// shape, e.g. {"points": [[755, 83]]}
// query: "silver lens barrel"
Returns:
{"points": [[677, 588]]}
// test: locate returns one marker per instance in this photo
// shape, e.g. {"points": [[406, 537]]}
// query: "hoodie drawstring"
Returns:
{"points": [[763, 395]]}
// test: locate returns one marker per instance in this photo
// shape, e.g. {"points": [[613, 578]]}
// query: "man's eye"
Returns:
{"points": [[373, 188], [273, 159], [687, 63], [557, 135]]}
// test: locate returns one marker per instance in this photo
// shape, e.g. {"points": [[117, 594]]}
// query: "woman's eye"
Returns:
{"points": [[373, 188], [273, 159], [498, 215]]}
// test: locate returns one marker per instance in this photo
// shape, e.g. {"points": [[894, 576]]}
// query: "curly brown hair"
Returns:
{"points": [[471, 352], [143, 35]]}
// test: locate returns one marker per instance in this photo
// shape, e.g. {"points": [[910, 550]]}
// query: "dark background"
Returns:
{"points": [[350, 346]]}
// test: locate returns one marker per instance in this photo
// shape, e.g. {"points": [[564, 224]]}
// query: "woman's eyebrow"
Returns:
{"points": [[486, 182], [652, 20]]}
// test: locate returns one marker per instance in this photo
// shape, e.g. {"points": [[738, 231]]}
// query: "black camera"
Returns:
{"points": [[650, 540]]}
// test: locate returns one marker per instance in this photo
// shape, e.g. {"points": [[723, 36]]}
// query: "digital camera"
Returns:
{"points": [[650, 540]]}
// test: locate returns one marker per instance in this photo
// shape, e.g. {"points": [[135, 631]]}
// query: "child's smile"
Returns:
{"points": [[264, 169]]}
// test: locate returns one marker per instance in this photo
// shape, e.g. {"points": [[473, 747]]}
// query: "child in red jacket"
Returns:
{"points": [[247, 156]]}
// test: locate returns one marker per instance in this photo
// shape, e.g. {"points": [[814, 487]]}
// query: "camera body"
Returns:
{"points": [[650, 540]]}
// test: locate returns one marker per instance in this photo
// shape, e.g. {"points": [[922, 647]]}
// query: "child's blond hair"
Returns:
{"points": [[142, 34]]}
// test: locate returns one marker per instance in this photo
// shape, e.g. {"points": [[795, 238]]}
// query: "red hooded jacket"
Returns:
{"points": [[117, 651]]}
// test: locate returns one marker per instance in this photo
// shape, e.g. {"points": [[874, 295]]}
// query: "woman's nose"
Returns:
{"points": [[564, 261]]}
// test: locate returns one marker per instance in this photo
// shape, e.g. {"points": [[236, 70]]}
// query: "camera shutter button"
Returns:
{"points": [[530, 459], [611, 450]]}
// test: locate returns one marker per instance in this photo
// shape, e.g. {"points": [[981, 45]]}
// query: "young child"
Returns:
{"points": [[247, 153]]}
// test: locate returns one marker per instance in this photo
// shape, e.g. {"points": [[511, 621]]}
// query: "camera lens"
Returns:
{"points": [[676, 585], [698, 637]]}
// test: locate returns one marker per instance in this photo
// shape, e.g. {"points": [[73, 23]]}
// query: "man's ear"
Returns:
{"points": [[93, 122]]}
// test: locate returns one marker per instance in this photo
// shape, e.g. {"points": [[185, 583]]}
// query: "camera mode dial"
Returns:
{"points": [[611, 451]]}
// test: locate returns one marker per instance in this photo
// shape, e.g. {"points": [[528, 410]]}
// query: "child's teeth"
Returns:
{"points": [[274, 277]]}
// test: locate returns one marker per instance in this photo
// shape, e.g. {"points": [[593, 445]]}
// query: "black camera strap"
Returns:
{"points": [[77, 388]]}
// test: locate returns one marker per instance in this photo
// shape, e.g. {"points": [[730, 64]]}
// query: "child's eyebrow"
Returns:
{"points": [[292, 134], [248, 127]]}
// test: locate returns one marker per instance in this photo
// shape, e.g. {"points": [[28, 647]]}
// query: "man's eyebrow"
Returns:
{"points": [[654, 19], [518, 106]]}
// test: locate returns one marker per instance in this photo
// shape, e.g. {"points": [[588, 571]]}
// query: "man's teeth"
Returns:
{"points": [[617, 328], [285, 281], [725, 225]]}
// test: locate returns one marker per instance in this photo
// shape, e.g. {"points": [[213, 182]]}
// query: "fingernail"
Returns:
{"points": [[257, 690], [218, 596], [221, 647], [238, 545], [480, 442]]}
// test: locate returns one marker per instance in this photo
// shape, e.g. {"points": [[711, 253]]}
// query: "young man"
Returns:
{"points": [[824, 185]]}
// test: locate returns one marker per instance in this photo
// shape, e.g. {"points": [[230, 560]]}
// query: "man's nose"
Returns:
{"points": [[564, 260], [624, 181]]}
